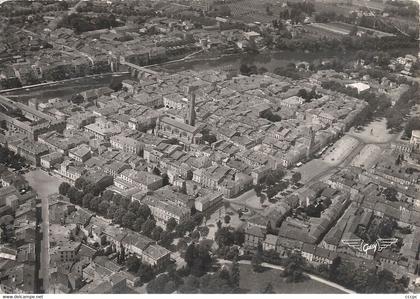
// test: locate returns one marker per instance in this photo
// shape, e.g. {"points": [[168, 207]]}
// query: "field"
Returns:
{"points": [[254, 11], [252, 282]]}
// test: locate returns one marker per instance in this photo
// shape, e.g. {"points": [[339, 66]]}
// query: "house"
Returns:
{"points": [[270, 242], [131, 178], [81, 153], [126, 144], [67, 252], [253, 237], [49, 160], [209, 202], [156, 256]]}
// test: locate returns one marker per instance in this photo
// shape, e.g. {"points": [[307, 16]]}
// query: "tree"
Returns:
{"points": [[257, 259], [115, 84], [134, 206], [294, 268], [94, 203], [80, 183], [191, 285], [166, 239], [157, 285], [171, 224], [235, 273], [128, 219], [132, 263], [268, 289], [103, 207], [156, 232], [181, 245], [138, 224], [107, 195], [86, 200], [412, 124], [224, 237], [190, 255], [296, 177], [148, 226], [64, 188], [118, 215], [227, 219], [195, 235], [391, 194], [144, 211], [77, 99], [145, 273]]}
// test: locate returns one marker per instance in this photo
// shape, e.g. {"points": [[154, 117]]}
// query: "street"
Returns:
{"points": [[45, 245], [44, 185]]}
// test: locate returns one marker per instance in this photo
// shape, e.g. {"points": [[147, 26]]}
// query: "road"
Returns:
{"points": [[45, 245], [44, 185], [311, 276]]}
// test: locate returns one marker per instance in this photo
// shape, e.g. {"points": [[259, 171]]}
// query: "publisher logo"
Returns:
{"points": [[364, 247]]}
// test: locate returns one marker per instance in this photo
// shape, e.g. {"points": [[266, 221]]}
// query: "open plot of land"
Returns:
{"points": [[43, 183], [374, 132], [248, 199], [367, 156], [252, 282], [340, 150], [312, 169]]}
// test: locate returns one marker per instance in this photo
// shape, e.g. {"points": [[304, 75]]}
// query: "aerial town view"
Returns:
{"points": [[209, 147]]}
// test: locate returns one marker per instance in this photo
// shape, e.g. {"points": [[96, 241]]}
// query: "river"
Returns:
{"points": [[268, 60]]}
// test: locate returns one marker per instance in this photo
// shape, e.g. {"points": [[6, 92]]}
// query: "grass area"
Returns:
{"points": [[252, 282]]}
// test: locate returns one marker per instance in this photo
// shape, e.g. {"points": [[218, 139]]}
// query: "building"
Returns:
{"points": [[208, 202], [415, 140], [359, 86], [49, 160], [80, 153], [32, 151], [170, 128], [156, 256], [70, 171], [131, 178], [32, 122], [254, 236], [103, 130], [67, 252], [163, 210], [126, 144]]}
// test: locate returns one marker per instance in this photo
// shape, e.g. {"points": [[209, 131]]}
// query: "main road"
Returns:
{"points": [[44, 185], [45, 245]]}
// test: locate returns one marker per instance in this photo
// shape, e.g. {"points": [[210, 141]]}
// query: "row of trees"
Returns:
{"points": [[82, 23], [358, 278], [127, 213], [223, 281], [397, 114], [362, 280], [10, 159]]}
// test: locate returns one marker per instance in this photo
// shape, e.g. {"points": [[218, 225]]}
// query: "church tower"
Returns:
{"points": [[191, 105], [311, 140]]}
